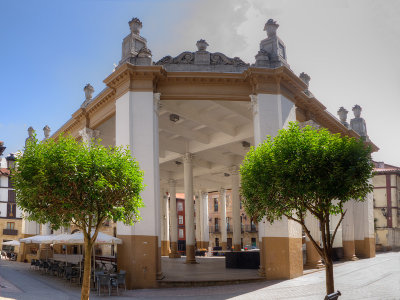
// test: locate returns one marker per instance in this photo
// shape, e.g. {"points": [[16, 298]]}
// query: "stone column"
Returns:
{"points": [[173, 220], [198, 219], [137, 127], [281, 247], [164, 224], [348, 232], [313, 257], [237, 228], [365, 239], [205, 234], [189, 208], [222, 203]]}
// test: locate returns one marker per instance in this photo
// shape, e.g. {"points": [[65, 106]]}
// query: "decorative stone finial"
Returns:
{"points": [[135, 25], [342, 113], [270, 27], [46, 130], [89, 90], [202, 45], [305, 78], [31, 131]]}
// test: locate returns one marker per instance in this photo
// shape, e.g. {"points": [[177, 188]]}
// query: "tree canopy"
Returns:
{"points": [[306, 170], [64, 181]]}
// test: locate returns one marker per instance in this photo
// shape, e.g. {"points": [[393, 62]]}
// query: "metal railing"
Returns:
{"points": [[10, 231]]}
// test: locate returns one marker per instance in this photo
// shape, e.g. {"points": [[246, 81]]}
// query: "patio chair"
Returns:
{"points": [[33, 263], [38, 264], [104, 280], [71, 273], [54, 268], [46, 266], [119, 280]]}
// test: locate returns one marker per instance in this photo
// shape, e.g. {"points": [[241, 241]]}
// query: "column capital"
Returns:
{"points": [[172, 182], [222, 190], [188, 157], [88, 134], [157, 103], [254, 103]]}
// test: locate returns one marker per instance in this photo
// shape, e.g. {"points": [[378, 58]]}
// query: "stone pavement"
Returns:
{"points": [[375, 278]]}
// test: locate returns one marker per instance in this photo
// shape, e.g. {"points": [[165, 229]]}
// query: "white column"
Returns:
{"points": [[173, 219], [283, 258], [237, 229], [348, 231], [46, 229], [369, 231], [313, 258], [189, 207], [137, 127], [205, 234], [164, 224], [198, 219], [222, 203]]}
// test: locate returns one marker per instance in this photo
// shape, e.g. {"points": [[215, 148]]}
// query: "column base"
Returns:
{"points": [[365, 248], [204, 245], [237, 248], [174, 250], [164, 248], [224, 246], [283, 257], [140, 257], [313, 257], [190, 257], [349, 251]]}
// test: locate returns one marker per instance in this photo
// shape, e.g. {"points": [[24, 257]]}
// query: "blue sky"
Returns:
{"points": [[50, 50]]}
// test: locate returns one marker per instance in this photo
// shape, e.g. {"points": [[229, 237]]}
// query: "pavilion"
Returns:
{"points": [[189, 121]]}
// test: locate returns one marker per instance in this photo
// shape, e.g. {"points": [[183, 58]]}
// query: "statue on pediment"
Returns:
{"points": [[357, 123]]}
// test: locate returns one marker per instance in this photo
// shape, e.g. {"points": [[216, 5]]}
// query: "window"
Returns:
{"points": [[11, 210], [216, 224], [10, 225], [180, 220], [11, 195], [216, 242], [254, 242], [215, 204], [180, 206], [181, 233]]}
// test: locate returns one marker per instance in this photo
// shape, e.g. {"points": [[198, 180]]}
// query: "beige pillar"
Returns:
{"points": [[198, 219], [136, 124], [237, 228], [164, 224], [173, 220], [313, 257], [349, 250], [189, 208], [281, 247], [222, 203]]}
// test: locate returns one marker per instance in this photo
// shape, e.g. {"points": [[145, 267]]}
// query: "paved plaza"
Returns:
{"points": [[375, 278]]}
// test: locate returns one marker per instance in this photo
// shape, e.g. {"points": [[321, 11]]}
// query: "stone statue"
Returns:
{"points": [[46, 130], [135, 25], [342, 113], [305, 78], [358, 124], [89, 90], [270, 27], [202, 45]]}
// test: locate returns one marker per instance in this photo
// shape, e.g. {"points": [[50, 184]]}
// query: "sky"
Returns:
{"points": [[49, 50]]}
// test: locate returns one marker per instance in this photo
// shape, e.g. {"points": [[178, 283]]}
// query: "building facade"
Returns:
{"points": [[10, 215], [387, 206]]}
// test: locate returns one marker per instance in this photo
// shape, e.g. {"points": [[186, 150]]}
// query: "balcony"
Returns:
{"points": [[215, 229], [250, 228], [10, 232]]}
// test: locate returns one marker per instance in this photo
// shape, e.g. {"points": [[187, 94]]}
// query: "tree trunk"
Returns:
{"points": [[330, 285], [85, 291]]}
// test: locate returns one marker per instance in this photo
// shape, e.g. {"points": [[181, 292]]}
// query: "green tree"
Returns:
{"points": [[306, 171], [66, 182]]}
